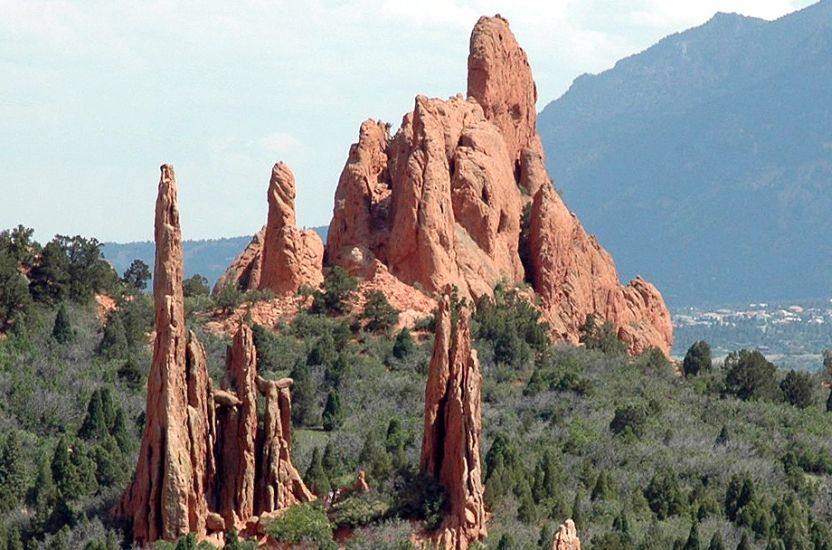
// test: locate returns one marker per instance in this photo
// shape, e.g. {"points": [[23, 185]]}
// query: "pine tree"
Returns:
{"points": [[404, 345], [374, 457], [333, 415], [12, 473], [716, 542], [95, 423], [506, 542], [113, 343], [62, 330], [693, 537], [43, 495], [745, 542], [13, 540], [547, 535], [120, 431], [131, 374], [577, 514], [829, 402], [330, 461], [315, 476], [303, 396]]}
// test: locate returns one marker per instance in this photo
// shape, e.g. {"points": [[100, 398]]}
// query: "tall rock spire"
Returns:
{"points": [[167, 497], [291, 258], [453, 425]]}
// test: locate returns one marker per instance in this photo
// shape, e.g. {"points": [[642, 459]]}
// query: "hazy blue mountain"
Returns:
{"points": [[705, 162], [208, 258]]}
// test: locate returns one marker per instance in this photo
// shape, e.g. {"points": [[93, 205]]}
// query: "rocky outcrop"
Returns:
{"points": [[280, 485], [197, 470], [238, 431], [441, 203], [575, 277], [500, 79], [291, 258], [244, 271], [566, 537], [168, 495], [453, 423], [280, 257]]}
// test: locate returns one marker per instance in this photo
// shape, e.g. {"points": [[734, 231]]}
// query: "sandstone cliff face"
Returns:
{"points": [[441, 203], [197, 466], [167, 498], [453, 424], [567, 537]]}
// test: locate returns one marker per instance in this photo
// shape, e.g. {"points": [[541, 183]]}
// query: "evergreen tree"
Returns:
{"points": [[506, 542], [333, 415], [829, 402], [95, 422], [137, 275], [113, 343], [603, 487], [527, 511], [120, 431], [62, 330], [697, 359], [315, 476], [723, 436], [404, 344], [12, 473], [187, 542], [131, 374], [331, 461], [693, 537], [15, 300], [547, 535], [43, 494], [745, 542], [304, 402], [195, 286], [14, 542], [716, 542], [577, 509], [374, 457], [379, 314]]}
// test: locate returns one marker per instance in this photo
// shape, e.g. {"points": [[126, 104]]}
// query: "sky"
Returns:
{"points": [[96, 94]]}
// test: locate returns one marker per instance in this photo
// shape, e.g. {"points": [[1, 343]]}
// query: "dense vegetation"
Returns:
{"points": [[641, 453]]}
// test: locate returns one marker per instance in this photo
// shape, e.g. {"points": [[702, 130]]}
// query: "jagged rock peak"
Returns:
{"points": [[453, 426], [167, 498], [500, 79], [566, 537], [244, 271]]}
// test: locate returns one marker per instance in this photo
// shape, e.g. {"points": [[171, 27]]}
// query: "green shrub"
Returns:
{"points": [[333, 415], [629, 420], [358, 510], [301, 523], [749, 375], [664, 496], [404, 344], [379, 314], [195, 286], [603, 337], [62, 329], [798, 389], [336, 293]]}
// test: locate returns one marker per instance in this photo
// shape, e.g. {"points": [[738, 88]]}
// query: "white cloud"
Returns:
{"points": [[282, 143]]}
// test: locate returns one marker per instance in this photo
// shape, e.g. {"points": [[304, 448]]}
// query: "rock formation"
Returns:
{"points": [[197, 469], [244, 271], [441, 203], [567, 537], [237, 431], [575, 277], [280, 484], [280, 257], [451, 439], [291, 258], [168, 496]]}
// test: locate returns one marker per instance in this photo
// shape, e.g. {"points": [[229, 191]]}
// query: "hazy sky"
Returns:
{"points": [[95, 95]]}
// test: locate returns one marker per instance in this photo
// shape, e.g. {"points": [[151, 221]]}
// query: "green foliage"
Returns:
{"points": [[749, 375], [693, 537], [71, 267], [664, 496], [697, 359], [333, 415], [603, 337], [301, 523], [315, 476], [229, 297], [195, 286], [14, 293], [62, 329], [716, 542], [798, 389], [379, 314], [336, 292], [629, 420], [131, 374], [374, 457], [512, 326], [404, 344], [358, 509], [745, 542], [137, 275], [113, 343], [304, 397], [12, 473]]}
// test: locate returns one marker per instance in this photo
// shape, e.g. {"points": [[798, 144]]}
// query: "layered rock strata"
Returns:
{"points": [[453, 424]]}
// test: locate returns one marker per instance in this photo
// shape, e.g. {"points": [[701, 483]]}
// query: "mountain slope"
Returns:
{"points": [[705, 162]]}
